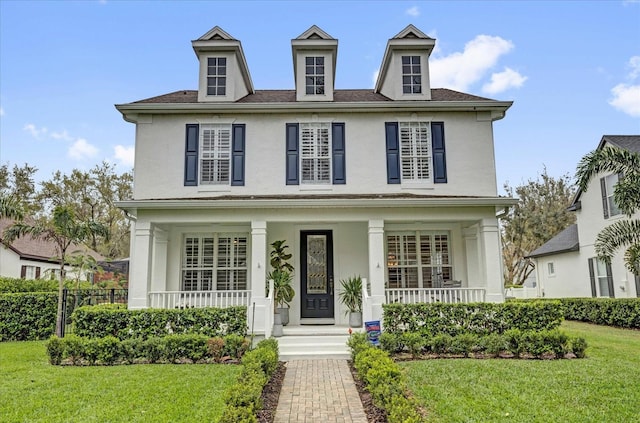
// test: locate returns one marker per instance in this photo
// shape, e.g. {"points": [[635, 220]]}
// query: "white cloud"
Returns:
{"points": [[81, 150], [35, 131], [1, 111], [634, 64], [626, 98], [374, 77], [458, 71], [413, 11], [504, 80], [124, 155], [64, 135]]}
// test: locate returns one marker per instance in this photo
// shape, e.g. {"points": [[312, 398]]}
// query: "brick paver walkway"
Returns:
{"points": [[319, 391]]}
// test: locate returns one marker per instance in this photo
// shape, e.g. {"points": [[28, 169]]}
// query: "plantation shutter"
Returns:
{"points": [[237, 154], [191, 156], [612, 293], [605, 203], [338, 152], [393, 152], [292, 172], [439, 155], [23, 272], [592, 276], [37, 272]]}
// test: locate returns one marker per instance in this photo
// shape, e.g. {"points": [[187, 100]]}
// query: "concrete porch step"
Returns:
{"points": [[314, 342]]}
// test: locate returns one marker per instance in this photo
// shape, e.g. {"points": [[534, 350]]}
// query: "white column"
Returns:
{"points": [[490, 244], [472, 253], [376, 267], [140, 269], [159, 260], [259, 268]]}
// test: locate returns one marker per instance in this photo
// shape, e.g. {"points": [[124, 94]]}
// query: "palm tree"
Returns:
{"points": [[64, 231], [10, 208], [626, 195]]}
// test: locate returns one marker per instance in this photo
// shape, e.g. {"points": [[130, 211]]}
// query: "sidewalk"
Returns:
{"points": [[319, 391]]}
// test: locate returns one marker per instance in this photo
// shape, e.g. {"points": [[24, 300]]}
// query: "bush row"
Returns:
{"points": [[620, 312], [28, 285], [27, 316], [546, 343], [477, 318], [100, 321], [384, 381], [244, 399], [76, 350]]}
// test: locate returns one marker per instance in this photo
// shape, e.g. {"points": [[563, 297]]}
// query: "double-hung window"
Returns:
{"points": [[216, 76], [315, 153], [414, 151], [607, 185], [601, 278], [411, 75], [418, 259], [215, 154], [314, 74], [214, 262]]}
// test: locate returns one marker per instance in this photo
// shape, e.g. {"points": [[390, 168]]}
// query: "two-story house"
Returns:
{"points": [[396, 184], [567, 265]]}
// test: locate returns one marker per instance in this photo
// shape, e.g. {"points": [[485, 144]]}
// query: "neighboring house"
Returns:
{"points": [[396, 184], [567, 265], [33, 258]]}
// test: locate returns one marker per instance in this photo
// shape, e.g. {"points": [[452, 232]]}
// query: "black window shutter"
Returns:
{"points": [[605, 203], [292, 154], [338, 151], [23, 272], [393, 152], [237, 154], [191, 156], [38, 272], [612, 293], [439, 154], [592, 276]]}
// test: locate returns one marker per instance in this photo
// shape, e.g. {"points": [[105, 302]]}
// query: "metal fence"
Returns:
{"points": [[73, 298]]}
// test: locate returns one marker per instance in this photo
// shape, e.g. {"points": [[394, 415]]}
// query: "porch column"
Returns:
{"points": [[490, 244], [376, 267], [470, 236], [159, 261], [259, 268], [140, 269]]}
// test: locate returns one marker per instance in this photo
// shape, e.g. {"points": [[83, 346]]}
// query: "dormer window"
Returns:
{"points": [[411, 75], [314, 75], [216, 76]]}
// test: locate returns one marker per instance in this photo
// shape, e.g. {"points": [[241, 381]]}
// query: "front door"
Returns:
{"points": [[316, 277]]}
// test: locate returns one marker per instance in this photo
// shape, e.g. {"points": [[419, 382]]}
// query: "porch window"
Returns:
{"points": [[418, 259], [214, 262]]}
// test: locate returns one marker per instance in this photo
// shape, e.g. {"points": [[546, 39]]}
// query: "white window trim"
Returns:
{"points": [[315, 76], [411, 75], [425, 183], [614, 211], [316, 184], [217, 153], [551, 270], [226, 76], [598, 276]]}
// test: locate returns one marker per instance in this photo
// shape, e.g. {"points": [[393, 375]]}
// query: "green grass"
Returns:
{"points": [[604, 387], [32, 390]]}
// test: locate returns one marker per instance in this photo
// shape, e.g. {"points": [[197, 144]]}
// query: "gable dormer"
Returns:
{"points": [[404, 73], [224, 74], [314, 65]]}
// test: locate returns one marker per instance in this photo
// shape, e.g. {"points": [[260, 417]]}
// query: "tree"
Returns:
{"points": [[626, 195], [540, 214], [18, 183], [65, 231], [10, 208]]}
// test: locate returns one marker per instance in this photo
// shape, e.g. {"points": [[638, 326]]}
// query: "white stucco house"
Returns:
{"points": [[396, 184], [567, 265]]}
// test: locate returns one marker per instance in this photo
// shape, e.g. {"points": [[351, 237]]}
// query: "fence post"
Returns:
{"points": [[113, 295]]}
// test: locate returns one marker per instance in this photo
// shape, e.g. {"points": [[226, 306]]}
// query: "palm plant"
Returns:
{"points": [[351, 294], [626, 195], [65, 231], [10, 208]]}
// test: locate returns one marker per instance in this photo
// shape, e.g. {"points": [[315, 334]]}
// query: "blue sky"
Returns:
{"points": [[572, 68]]}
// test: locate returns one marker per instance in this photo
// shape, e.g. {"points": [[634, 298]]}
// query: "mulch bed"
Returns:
{"points": [[374, 414]]}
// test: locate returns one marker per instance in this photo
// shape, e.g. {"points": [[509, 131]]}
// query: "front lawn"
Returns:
{"points": [[604, 387], [33, 390]]}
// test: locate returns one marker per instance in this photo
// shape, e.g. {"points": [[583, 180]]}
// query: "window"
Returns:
{"points": [[216, 76], [608, 204], [29, 272], [551, 269], [215, 154], [418, 260], [314, 72], [214, 262], [411, 77], [601, 278], [414, 151], [315, 154]]}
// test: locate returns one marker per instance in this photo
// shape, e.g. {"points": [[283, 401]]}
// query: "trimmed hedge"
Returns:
{"points": [[8, 285], [477, 318], [27, 316], [99, 322], [620, 312]]}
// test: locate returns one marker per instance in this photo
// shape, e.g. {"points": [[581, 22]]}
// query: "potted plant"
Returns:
{"points": [[351, 297], [282, 277]]}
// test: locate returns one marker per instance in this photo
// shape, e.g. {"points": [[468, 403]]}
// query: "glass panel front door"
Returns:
{"points": [[316, 274]]}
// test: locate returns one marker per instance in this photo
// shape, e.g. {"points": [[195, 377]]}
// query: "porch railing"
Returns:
{"points": [[435, 295], [199, 299]]}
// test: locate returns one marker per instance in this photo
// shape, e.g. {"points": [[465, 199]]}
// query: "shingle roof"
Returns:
{"points": [[626, 142], [289, 96], [565, 241]]}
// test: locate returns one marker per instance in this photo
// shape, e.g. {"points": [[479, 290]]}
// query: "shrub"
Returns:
{"points": [[74, 348], [27, 316], [440, 344], [153, 349], [463, 344], [235, 345], [619, 312], [514, 341], [391, 342], [130, 350], [264, 358], [357, 342], [414, 342], [55, 350], [492, 344], [578, 347], [109, 350], [215, 348]]}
